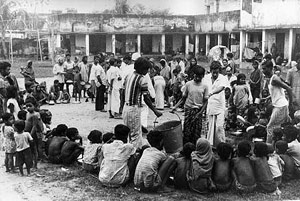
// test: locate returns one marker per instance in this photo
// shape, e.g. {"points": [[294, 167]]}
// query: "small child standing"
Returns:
{"points": [[242, 170], [222, 167], [241, 94], [92, 152], [263, 174], [276, 164], [77, 86], [23, 140], [289, 166], [10, 143], [12, 103]]}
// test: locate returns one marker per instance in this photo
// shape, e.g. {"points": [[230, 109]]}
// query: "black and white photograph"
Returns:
{"points": [[113, 100]]}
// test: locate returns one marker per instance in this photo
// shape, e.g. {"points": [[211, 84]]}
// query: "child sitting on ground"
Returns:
{"points": [[92, 152], [10, 143], [23, 141], [222, 167], [289, 166], [263, 174], [55, 93], [183, 164], [290, 134], [242, 170], [276, 165], [154, 167], [116, 159], [199, 175]]}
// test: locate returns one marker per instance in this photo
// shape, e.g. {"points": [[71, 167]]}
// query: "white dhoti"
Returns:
{"points": [[216, 131]]}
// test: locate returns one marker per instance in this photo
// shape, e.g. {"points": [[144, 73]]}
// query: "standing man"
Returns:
{"points": [[28, 73], [136, 87], [280, 112], [216, 104], [100, 83], [59, 72], [293, 78], [4, 72], [69, 66]]}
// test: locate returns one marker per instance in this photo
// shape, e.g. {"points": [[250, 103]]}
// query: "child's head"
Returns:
{"points": [[188, 148], [155, 138], [270, 148], [260, 149], [12, 92], [30, 107], [72, 133], [95, 136], [61, 130], [243, 149], [227, 92], [224, 150], [241, 79], [265, 93], [19, 125], [277, 134], [108, 137], [281, 147], [198, 73], [121, 132], [8, 118], [203, 147], [22, 115], [290, 133], [175, 72]]}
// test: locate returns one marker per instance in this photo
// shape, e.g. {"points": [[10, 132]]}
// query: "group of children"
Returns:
{"points": [[247, 167]]}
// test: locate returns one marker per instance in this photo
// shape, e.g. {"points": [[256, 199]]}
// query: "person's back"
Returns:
{"points": [[70, 152], [54, 149], [289, 164]]}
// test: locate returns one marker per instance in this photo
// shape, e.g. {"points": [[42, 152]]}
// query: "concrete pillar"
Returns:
{"points": [[87, 44], [219, 39], [187, 42], [139, 43], [290, 52], [246, 39], [163, 44], [207, 46], [113, 43], [242, 44], [196, 44], [263, 43], [58, 40]]}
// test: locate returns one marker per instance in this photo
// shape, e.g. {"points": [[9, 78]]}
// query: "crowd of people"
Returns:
{"points": [[218, 104]]}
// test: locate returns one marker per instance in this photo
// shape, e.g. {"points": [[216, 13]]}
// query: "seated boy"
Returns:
{"points": [[72, 148], [221, 174], [289, 166], [116, 159], [55, 93], [290, 134], [154, 167], [242, 171]]}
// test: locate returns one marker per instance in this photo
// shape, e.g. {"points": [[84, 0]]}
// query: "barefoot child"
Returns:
{"points": [[23, 140], [276, 164], [10, 143], [222, 167], [242, 170], [263, 174]]}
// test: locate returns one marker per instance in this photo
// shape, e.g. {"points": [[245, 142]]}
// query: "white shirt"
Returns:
{"points": [[57, 70], [277, 94], [114, 73], [216, 103]]}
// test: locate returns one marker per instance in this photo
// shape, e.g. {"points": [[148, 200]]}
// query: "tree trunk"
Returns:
{"points": [[4, 50]]}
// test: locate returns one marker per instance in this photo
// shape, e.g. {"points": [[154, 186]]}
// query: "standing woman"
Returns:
{"points": [[216, 104], [194, 96], [255, 81], [190, 69], [159, 87]]}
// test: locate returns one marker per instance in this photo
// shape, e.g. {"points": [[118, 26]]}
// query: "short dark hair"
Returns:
{"points": [[127, 57], [230, 55], [142, 64], [291, 132], [121, 132], [261, 149], [277, 134], [270, 148], [6, 116], [244, 148], [56, 82], [112, 61], [268, 64], [108, 137], [19, 125], [12, 92], [215, 65], [199, 71], [4, 65], [281, 146], [224, 150], [61, 129], [22, 115], [95, 136], [155, 138], [72, 133], [188, 148]]}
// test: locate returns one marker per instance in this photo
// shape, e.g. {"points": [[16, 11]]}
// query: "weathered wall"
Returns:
{"points": [[80, 40], [108, 43], [221, 22], [156, 40], [177, 42], [123, 23], [224, 5], [272, 14]]}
